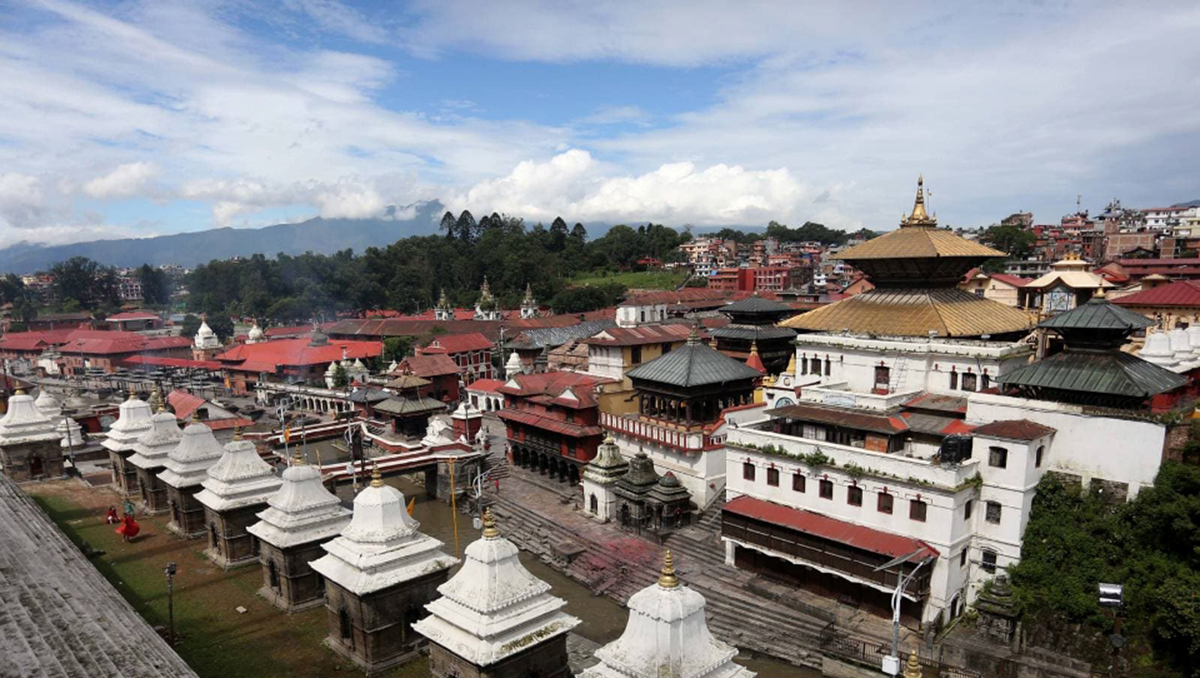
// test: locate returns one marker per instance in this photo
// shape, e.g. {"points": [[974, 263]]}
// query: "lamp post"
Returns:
{"points": [[891, 663], [1112, 596], [170, 572]]}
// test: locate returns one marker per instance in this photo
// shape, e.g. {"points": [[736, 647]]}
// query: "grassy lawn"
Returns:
{"points": [[634, 280], [214, 638]]}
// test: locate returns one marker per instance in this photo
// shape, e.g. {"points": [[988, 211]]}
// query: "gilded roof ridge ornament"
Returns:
{"points": [[376, 476], [489, 524], [919, 216]]}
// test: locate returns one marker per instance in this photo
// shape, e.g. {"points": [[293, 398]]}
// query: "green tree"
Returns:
{"points": [[1012, 239], [397, 348], [449, 224], [466, 227], [190, 326], [155, 290], [340, 378]]}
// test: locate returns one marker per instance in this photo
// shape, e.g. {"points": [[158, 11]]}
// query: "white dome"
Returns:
{"points": [[1157, 350], [514, 364], [206, 338], [1180, 345], [255, 335], [48, 404], [24, 422]]}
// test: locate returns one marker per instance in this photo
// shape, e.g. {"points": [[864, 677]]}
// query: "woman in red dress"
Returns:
{"points": [[129, 528], [111, 518]]}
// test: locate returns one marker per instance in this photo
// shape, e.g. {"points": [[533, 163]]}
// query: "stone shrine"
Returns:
{"points": [[133, 420], [29, 442], [299, 518], [379, 575], [667, 635], [150, 456], [185, 468], [237, 488], [600, 479], [495, 619]]}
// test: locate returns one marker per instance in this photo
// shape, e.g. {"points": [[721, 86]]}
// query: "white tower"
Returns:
{"points": [[529, 308], [600, 477]]}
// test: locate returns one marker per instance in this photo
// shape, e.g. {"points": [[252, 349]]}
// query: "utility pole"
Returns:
{"points": [[891, 663], [170, 572]]}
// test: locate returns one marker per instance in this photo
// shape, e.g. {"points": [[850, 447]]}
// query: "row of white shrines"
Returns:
{"points": [[386, 586]]}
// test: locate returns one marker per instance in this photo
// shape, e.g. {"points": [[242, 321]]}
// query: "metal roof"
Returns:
{"points": [[1185, 293], [950, 312], [1105, 372], [1097, 314], [755, 304], [918, 243], [406, 406], [552, 337], [693, 364], [753, 332]]}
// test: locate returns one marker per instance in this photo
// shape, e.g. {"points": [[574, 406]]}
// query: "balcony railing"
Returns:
{"points": [[686, 441]]}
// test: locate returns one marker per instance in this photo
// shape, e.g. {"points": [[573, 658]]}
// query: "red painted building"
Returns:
{"points": [[108, 350], [472, 353], [763, 279], [439, 370], [301, 360], [552, 421]]}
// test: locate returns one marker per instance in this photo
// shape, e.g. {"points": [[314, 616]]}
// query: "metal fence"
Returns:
{"points": [[839, 645]]}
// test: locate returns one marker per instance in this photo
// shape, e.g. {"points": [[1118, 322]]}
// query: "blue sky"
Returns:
{"points": [[142, 118]]}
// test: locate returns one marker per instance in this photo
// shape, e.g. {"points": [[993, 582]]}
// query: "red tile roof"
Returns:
{"points": [[1015, 281], [548, 387], [486, 385], [185, 403], [292, 330], [1014, 429], [635, 336], [132, 315], [1185, 293], [430, 365], [97, 342], [458, 343], [270, 355], [817, 525], [35, 341], [555, 425], [688, 295]]}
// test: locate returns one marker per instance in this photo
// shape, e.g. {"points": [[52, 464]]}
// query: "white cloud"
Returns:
{"points": [[21, 203], [578, 188], [125, 181], [346, 198]]}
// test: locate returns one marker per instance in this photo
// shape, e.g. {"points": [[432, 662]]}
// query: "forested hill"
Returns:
{"points": [[324, 236]]}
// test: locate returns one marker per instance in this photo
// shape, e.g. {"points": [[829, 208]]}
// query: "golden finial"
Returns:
{"points": [[237, 432], [667, 578], [1100, 292], [754, 347], [19, 391], [919, 216], [913, 668], [132, 393], [196, 416], [298, 459], [489, 525], [376, 478]]}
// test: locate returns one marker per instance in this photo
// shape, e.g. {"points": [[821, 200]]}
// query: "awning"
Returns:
{"points": [[548, 424], [817, 525]]}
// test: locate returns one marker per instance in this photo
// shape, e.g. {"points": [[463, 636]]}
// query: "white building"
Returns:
{"points": [[666, 635]]}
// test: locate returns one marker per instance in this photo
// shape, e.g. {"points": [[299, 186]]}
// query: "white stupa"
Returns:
{"points": [[206, 339], [239, 478], [1181, 348], [255, 335], [666, 635], [1193, 332], [48, 404], [302, 511], [133, 420], [493, 607], [151, 451], [24, 423], [1157, 350], [513, 366], [187, 465], [382, 546]]}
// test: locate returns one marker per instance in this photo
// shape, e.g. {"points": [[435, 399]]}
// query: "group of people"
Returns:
{"points": [[127, 526]]}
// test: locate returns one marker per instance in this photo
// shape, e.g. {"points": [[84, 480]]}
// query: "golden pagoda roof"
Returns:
{"points": [[918, 237], [914, 313]]}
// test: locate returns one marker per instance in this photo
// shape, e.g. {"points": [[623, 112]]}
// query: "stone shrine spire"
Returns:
{"points": [[494, 609], [667, 635]]}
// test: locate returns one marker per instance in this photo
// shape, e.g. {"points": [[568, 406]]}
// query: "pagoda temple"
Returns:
{"points": [[184, 471], [1092, 369], [29, 441], [237, 488], [409, 409], [379, 575], [133, 420], [299, 518], [667, 635], [916, 270], [495, 619], [753, 323], [150, 456]]}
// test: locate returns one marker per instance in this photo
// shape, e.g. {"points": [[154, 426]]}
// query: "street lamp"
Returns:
{"points": [[170, 572], [1113, 596], [891, 663]]}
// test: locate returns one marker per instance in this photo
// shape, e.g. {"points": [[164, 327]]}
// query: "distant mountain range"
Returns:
{"points": [[189, 249], [1190, 203]]}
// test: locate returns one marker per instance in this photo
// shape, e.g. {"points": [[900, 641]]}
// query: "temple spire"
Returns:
{"points": [[919, 216], [667, 578], [489, 525]]}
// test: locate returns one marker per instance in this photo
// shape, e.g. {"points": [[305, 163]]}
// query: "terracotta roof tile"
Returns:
{"points": [[1014, 429], [1183, 294]]}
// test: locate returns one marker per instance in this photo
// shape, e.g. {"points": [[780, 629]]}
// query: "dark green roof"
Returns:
{"points": [[694, 364], [1097, 314], [756, 305], [753, 332], [1103, 372]]}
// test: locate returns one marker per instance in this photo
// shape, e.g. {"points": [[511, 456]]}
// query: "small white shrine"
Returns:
{"points": [[133, 420], [600, 477], [494, 609], [150, 454], [300, 517], [667, 635], [237, 488], [29, 447], [185, 469]]}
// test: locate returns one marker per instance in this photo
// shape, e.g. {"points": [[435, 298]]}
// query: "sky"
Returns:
{"points": [[138, 118]]}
